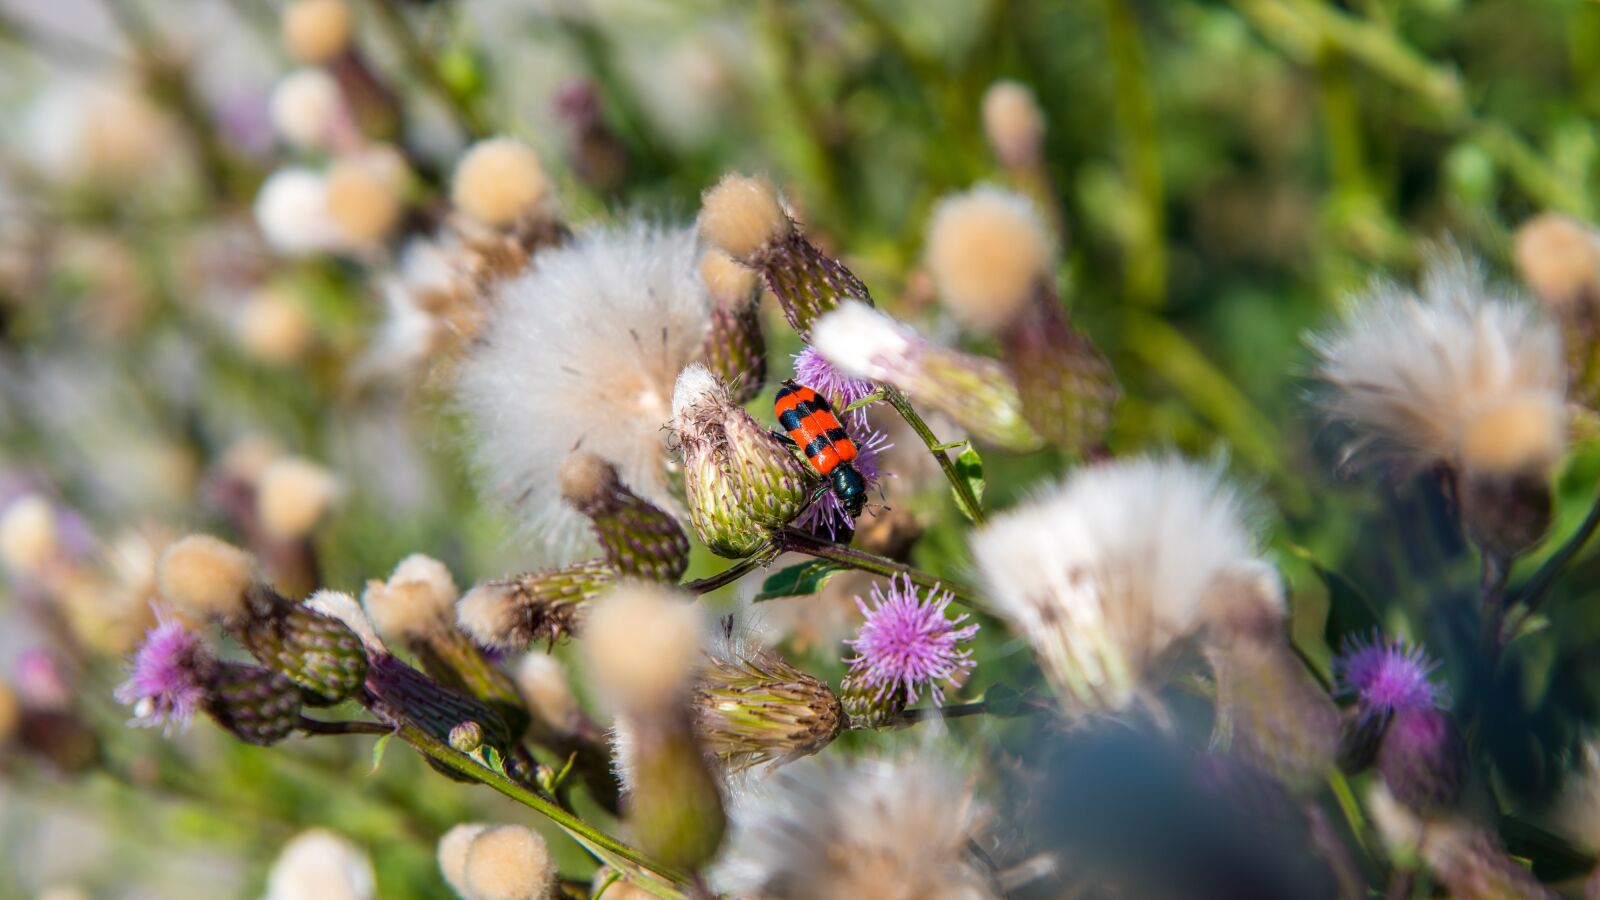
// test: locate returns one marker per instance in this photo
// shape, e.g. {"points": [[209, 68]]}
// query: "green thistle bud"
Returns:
{"points": [[638, 537], [254, 703], [400, 694], [467, 737], [317, 652], [747, 219], [752, 707], [868, 706], [674, 806], [534, 606], [976, 392], [1278, 718], [1066, 386], [742, 483], [734, 349]]}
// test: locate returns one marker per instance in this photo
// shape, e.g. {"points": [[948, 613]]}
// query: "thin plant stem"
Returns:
{"points": [[732, 573], [792, 539], [954, 711], [602, 844], [418, 58], [898, 400], [1496, 570], [1533, 592], [1145, 259], [318, 726]]}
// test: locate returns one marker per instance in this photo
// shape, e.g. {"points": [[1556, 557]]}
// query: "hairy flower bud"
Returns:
{"points": [[314, 650], [742, 484], [1423, 760], [869, 705], [639, 538], [534, 606], [745, 218], [978, 393], [735, 349], [674, 804], [752, 707], [254, 703]]}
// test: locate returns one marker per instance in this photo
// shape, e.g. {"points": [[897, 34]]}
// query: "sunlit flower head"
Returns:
{"points": [[166, 681], [909, 642], [1387, 675]]}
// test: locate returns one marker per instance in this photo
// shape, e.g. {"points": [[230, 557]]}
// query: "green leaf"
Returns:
{"points": [[377, 751], [969, 468], [1350, 613], [491, 760], [798, 580], [868, 400]]}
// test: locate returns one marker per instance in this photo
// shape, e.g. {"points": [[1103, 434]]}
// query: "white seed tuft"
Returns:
{"points": [[292, 496], [744, 216], [988, 251], [498, 181], [643, 644], [203, 576]]}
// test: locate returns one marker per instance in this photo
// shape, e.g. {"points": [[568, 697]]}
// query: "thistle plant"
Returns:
{"points": [[799, 451]]}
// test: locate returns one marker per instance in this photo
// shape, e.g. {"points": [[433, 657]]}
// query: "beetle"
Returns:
{"points": [[815, 429]]}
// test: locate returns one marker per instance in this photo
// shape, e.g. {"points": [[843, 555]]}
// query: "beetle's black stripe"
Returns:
{"points": [[790, 420], [836, 435], [783, 392], [818, 444], [821, 403]]}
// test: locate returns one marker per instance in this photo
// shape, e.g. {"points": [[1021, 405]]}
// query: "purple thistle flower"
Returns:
{"points": [[811, 370], [1387, 676], [827, 515], [166, 682], [908, 642]]}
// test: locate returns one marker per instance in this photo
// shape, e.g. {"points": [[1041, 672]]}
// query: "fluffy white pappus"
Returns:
{"points": [[1459, 373], [863, 342], [291, 210], [308, 110], [988, 251], [583, 352], [342, 606], [696, 386], [321, 865], [409, 332], [865, 827], [416, 603], [1106, 571]]}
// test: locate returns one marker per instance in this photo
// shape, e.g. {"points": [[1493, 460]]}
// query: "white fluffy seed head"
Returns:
{"points": [[342, 606], [1105, 572], [28, 530], [365, 199], [416, 603], [452, 854], [307, 109], [643, 644], [544, 688], [864, 827], [508, 862], [316, 31], [1559, 258], [203, 576], [291, 209], [498, 181], [488, 613], [292, 496], [1013, 123], [862, 342], [731, 284], [321, 864], [585, 478], [273, 327], [695, 387], [583, 351], [1433, 377], [744, 216], [988, 251]]}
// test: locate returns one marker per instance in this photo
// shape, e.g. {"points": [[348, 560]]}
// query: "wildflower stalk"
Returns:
{"points": [[797, 541], [1533, 592], [466, 113], [1145, 261], [969, 500], [732, 573], [602, 845]]}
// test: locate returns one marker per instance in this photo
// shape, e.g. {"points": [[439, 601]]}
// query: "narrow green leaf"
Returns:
{"points": [[868, 400], [798, 580], [377, 751], [969, 468]]}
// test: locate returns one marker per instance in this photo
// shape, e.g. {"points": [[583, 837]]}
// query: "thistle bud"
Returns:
{"points": [[638, 537], [400, 694], [314, 650], [674, 807], [1280, 721], [416, 608], [316, 31], [452, 854], [992, 260], [751, 707], [742, 484], [867, 705], [507, 862], [734, 349], [745, 218], [205, 577], [1423, 760], [976, 392], [466, 737], [1559, 258], [499, 183], [292, 496], [256, 704], [534, 606]]}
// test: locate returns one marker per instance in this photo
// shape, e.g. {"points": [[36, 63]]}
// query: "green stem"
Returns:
{"points": [[963, 490], [732, 573], [597, 841], [423, 62], [794, 540], [318, 726], [1533, 592], [1145, 262]]}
